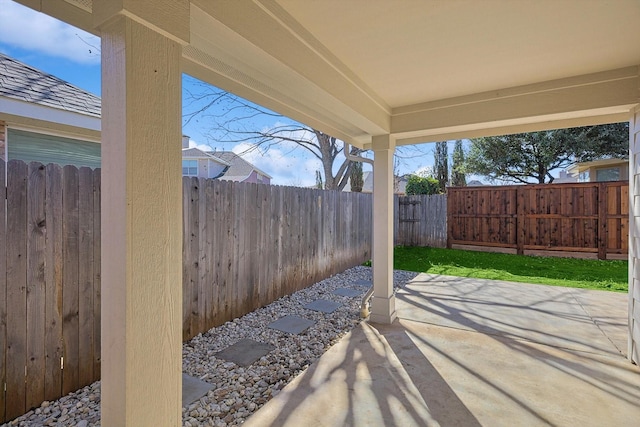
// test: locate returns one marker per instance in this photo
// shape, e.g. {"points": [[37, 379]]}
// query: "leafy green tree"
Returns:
{"points": [[356, 177], [458, 178], [422, 185], [441, 165], [532, 156]]}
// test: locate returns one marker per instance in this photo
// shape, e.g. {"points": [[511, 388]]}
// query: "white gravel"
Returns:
{"points": [[238, 392]]}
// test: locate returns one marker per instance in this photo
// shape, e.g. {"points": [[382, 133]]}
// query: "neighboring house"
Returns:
{"points": [[240, 170], [196, 162], [601, 170], [399, 185], [45, 119], [475, 183], [565, 177]]}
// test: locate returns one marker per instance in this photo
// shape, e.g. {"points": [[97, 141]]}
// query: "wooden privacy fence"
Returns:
{"points": [[257, 243], [421, 220], [245, 245], [588, 218], [50, 281]]}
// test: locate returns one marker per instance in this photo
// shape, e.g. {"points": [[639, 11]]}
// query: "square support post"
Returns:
{"points": [[383, 304], [634, 236], [141, 223]]}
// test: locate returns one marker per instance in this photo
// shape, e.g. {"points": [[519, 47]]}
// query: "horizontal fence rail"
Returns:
{"points": [[588, 218], [244, 246]]}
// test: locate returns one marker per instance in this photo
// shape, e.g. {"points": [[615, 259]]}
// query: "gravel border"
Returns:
{"points": [[238, 391]]}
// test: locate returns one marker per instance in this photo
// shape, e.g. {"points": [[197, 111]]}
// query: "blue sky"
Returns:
{"points": [[73, 55]]}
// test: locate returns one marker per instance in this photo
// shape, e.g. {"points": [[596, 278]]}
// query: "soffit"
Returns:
{"points": [[415, 68], [414, 51]]}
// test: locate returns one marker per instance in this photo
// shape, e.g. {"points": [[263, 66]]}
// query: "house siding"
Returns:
{"points": [[37, 147], [253, 178], [209, 169]]}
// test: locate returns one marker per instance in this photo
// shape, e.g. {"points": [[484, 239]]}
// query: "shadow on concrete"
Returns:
{"points": [[470, 353]]}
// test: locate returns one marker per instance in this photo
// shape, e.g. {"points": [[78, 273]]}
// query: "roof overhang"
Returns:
{"points": [[419, 70], [54, 121]]}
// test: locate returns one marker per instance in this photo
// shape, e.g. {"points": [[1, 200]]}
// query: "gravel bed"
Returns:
{"points": [[238, 391]]}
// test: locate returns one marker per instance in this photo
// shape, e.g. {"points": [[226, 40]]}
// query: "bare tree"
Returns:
{"points": [[233, 120]]}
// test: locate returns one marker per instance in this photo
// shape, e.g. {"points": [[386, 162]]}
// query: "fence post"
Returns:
{"points": [[520, 221], [602, 220], [449, 216]]}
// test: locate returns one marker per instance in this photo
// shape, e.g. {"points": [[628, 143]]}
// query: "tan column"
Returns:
{"points": [[141, 220], [383, 304], [634, 236]]}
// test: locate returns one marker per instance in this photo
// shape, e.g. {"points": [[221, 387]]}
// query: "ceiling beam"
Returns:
{"points": [[575, 101]]}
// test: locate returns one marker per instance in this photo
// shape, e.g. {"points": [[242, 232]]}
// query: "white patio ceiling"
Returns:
{"points": [[422, 70]]}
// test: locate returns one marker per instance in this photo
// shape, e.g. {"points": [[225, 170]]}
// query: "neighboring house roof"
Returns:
{"points": [[25, 83], [475, 183], [239, 168], [195, 153]]}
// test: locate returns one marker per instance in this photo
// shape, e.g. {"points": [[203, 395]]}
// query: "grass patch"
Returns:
{"points": [[575, 273]]}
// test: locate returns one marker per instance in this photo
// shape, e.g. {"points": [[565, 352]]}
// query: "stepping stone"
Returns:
{"points": [[363, 283], [291, 324], [245, 352], [323, 305], [345, 292], [193, 389]]}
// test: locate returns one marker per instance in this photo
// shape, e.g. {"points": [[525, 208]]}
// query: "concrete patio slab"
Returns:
{"points": [[546, 314], [346, 292], [245, 352], [193, 389], [291, 324], [473, 353], [323, 305]]}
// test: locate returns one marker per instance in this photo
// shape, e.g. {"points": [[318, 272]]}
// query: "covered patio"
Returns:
{"points": [[376, 74], [472, 352]]}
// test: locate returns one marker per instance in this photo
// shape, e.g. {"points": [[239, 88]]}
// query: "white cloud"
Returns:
{"points": [[27, 29], [284, 168]]}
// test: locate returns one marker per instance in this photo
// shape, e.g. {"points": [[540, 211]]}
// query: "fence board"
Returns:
{"points": [[15, 354], [70, 274], [97, 278], [3, 293], [35, 370], [53, 280], [85, 276], [576, 217]]}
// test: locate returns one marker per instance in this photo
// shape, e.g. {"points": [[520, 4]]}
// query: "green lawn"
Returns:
{"points": [[575, 273]]}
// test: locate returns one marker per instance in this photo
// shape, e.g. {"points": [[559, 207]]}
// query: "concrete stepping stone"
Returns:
{"points": [[323, 305], [346, 292], [193, 389], [364, 283], [245, 352], [291, 324]]}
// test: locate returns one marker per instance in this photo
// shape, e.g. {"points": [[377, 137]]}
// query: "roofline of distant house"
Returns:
{"points": [[206, 155], [252, 165]]}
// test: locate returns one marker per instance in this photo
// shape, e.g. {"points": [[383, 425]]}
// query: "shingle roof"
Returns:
{"points": [[25, 83], [197, 153], [239, 167]]}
